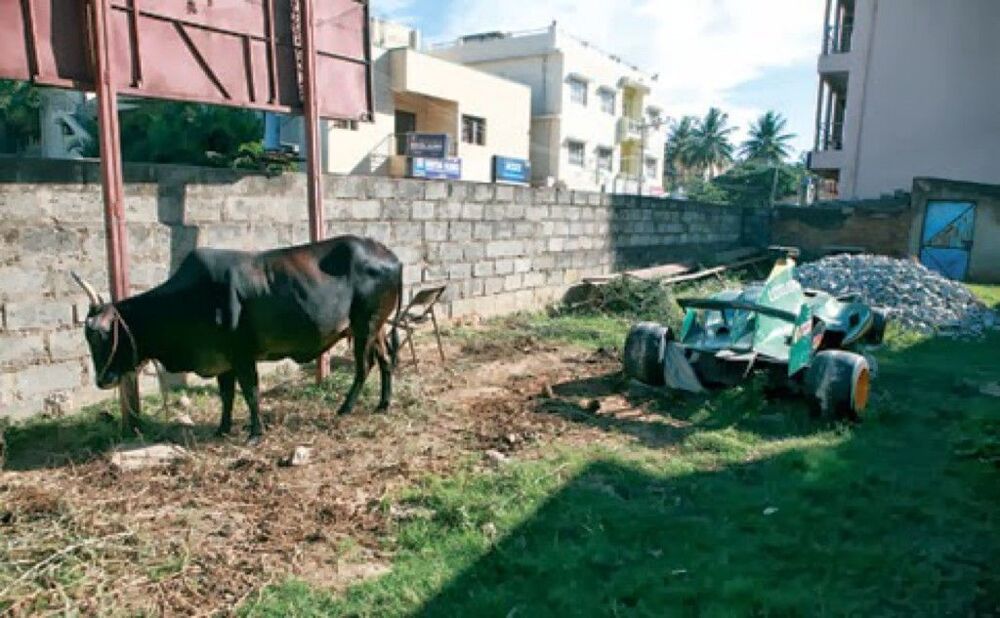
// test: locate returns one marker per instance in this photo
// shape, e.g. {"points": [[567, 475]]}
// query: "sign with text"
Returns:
{"points": [[427, 145], [436, 169], [507, 169]]}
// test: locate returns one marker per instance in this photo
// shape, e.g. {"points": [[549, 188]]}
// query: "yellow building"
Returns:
{"points": [[482, 115]]}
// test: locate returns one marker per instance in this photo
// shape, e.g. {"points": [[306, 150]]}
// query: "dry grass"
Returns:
{"points": [[204, 535]]}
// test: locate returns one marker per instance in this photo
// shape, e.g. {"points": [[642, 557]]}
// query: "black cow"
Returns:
{"points": [[223, 311]]}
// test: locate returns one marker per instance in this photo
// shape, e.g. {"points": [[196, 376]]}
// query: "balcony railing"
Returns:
{"points": [[629, 128], [831, 136], [838, 39]]}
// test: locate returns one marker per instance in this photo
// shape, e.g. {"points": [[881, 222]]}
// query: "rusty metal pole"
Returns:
{"points": [[310, 110], [112, 185]]}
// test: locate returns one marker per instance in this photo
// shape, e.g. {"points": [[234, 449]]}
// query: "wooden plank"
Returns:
{"points": [[646, 274], [708, 272]]}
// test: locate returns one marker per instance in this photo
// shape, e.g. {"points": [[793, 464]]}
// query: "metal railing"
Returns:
{"points": [[837, 39], [629, 128]]}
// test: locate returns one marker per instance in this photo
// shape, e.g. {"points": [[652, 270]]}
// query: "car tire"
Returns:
{"points": [[839, 384], [643, 355], [876, 333]]}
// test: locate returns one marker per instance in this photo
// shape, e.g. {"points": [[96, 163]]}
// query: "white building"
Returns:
{"points": [[483, 115], [592, 126], [907, 88]]}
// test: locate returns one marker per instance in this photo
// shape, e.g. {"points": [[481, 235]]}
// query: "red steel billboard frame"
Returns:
{"points": [[307, 56]]}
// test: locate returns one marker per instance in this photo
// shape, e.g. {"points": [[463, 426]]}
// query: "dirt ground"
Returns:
{"points": [[203, 535]]}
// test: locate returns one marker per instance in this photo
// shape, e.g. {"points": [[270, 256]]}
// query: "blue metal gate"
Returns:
{"points": [[947, 238]]}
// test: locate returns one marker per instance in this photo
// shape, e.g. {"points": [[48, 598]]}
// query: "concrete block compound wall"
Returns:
{"points": [[498, 248]]}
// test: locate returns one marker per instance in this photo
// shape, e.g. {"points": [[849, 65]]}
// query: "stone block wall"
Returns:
{"points": [[819, 230], [498, 248]]}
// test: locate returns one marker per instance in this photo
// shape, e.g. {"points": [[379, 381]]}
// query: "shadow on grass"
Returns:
{"points": [[57, 442], [95, 430], [898, 519], [896, 516], [660, 418]]}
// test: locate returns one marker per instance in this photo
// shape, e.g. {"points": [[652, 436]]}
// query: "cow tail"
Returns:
{"points": [[395, 323]]}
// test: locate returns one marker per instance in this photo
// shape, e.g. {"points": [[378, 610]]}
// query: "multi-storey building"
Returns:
{"points": [[482, 115], [592, 124], [907, 88]]}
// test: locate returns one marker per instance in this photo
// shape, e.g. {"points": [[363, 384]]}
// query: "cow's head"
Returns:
{"points": [[112, 347]]}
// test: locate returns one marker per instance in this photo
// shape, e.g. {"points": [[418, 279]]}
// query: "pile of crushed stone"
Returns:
{"points": [[912, 295]]}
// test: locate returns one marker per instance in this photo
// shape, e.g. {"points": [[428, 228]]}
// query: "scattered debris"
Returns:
{"points": [[496, 457], [771, 510], [408, 512], [143, 457], [230, 520], [912, 295], [301, 456]]}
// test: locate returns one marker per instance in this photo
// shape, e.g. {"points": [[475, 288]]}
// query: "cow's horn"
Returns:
{"points": [[95, 298]]}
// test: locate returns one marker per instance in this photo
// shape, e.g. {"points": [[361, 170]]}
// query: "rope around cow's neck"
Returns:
{"points": [[116, 319]]}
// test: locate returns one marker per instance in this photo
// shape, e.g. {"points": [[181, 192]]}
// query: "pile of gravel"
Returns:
{"points": [[911, 295]]}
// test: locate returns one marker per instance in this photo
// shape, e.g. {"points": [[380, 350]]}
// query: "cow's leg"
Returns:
{"points": [[362, 341], [248, 384], [385, 373], [227, 390]]}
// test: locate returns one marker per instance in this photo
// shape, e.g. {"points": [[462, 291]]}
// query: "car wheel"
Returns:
{"points": [[643, 354], [839, 384], [876, 334]]}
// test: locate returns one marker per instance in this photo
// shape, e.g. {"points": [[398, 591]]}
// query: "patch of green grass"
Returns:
{"points": [[43, 440], [989, 294], [896, 516]]}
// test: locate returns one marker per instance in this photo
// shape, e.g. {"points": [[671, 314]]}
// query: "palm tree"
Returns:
{"points": [[679, 151], [711, 148], [767, 141]]}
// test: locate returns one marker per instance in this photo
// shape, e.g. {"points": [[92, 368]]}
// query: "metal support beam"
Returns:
{"points": [[112, 184], [819, 113], [310, 110]]}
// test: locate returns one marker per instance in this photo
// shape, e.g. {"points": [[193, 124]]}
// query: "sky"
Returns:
{"points": [[743, 56]]}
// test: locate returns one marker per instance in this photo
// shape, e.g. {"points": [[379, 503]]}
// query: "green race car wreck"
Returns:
{"points": [[806, 341]]}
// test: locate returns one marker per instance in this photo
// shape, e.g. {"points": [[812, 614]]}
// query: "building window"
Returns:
{"points": [[604, 159], [347, 125], [474, 130], [577, 90], [653, 116], [650, 168], [576, 153], [607, 99]]}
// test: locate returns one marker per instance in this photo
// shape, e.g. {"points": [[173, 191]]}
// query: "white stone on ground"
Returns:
{"points": [[912, 295]]}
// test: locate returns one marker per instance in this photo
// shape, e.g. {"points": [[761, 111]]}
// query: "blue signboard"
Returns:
{"points": [[438, 169], [427, 145], [507, 169]]}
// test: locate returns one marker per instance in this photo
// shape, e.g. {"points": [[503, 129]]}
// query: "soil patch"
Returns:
{"points": [[201, 535]]}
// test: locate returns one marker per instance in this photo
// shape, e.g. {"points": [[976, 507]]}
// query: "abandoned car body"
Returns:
{"points": [[806, 341], [223, 311]]}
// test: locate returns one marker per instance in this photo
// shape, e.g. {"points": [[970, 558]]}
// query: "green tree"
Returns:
{"points": [[678, 152], [711, 147], [767, 141], [188, 133], [754, 182], [19, 115]]}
